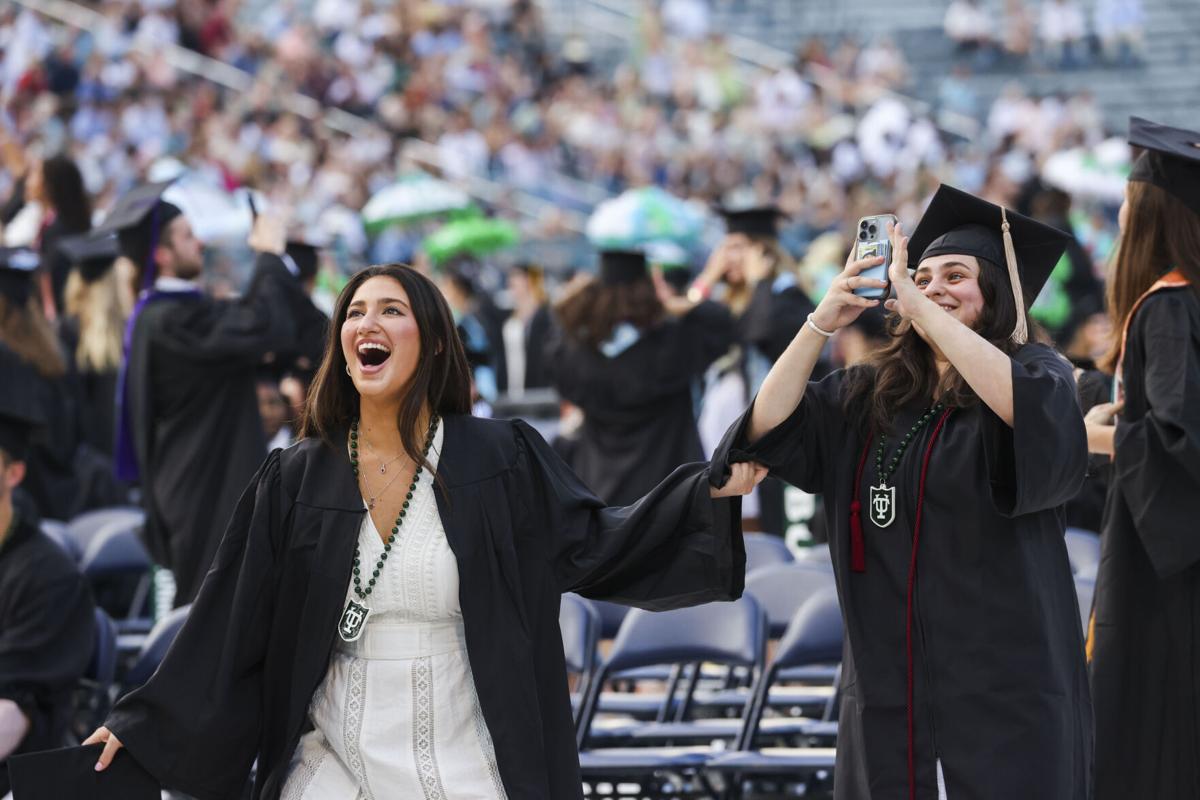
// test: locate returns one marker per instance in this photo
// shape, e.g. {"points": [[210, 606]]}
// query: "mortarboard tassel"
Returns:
{"points": [[1020, 333]]}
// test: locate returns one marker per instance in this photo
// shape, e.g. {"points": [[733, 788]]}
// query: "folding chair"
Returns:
{"points": [[56, 532], [814, 636], [154, 649], [731, 634], [85, 526], [94, 696], [765, 549], [116, 564], [579, 624]]}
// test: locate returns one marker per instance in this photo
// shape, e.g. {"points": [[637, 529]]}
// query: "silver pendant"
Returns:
{"points": [[353, 620], [882, 501], [383, 469]]}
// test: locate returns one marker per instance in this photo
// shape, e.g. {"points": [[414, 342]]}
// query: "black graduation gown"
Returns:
{"points": [[639, 420], [777, 310], [237, 683], [1146, 650], [64, 475], [46, 635], [775, 313], [96, 393], [194, 412], [1000, 686]]}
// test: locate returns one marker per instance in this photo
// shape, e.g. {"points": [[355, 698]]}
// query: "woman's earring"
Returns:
{"points": [[348, 370]]}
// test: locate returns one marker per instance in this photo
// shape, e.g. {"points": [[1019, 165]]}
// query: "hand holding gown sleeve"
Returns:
{"points": [[195, 724], [675, 547], [1040, 462], [1157, 457]]}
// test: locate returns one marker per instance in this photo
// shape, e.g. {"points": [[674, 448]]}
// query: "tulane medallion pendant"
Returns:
{"points": [[353, 620], [883, 505]]}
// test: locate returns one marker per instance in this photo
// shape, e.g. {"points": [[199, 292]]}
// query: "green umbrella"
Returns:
{"points": [[477, 236]]}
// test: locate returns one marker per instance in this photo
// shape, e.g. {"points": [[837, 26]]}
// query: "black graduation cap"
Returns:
{"points": [[92, 253], [623, 266], [960, 223], [305, 252], [138, 220], [757, 221], [20, 415], [69, 774], [1170, 161], [17, 265]]}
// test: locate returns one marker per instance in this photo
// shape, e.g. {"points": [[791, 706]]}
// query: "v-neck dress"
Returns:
{"points": [[397, 715]]}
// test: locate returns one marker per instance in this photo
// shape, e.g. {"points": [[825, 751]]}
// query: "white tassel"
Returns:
{"points": [[1020, 333]]}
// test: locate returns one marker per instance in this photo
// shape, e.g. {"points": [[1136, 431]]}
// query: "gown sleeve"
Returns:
{"points": [[1040, 462], [243, 331], [1157, 461], [799, 450], [195, 724], [673, 548]]}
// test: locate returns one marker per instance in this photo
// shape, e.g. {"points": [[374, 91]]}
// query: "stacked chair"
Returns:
{"points": [[731, 699]]}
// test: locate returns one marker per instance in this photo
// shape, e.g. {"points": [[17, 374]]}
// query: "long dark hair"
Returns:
{"points": [[592, 309], [905, 371], [442, 380], [63, 185], [1160, 233]]}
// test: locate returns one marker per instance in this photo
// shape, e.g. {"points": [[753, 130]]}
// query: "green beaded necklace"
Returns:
{"points": [[354, 618], [883, 497]]}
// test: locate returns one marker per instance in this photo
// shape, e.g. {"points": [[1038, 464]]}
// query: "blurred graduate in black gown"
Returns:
{"points": [[944, 461], [188, 420], [92, 328], [64, 475], [628, 354], [46, 623], [1145, 642], [755, 278]]}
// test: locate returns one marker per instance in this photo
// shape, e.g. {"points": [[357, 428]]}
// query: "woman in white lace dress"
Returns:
{"points": [[411, 651]]}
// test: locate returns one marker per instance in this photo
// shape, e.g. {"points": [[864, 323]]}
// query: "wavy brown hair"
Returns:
{"points": [[591, 309], [1160, 233], [25, 331], [905, 371], [441, 382]]}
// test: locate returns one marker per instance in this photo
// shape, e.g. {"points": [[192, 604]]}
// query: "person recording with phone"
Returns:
{"points": [[944, 460]]}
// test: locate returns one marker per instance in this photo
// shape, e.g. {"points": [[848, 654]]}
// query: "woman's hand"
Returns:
{"points": [[111, 745], [742, 480], [1101, 427], [909, 301], [841, 305]]}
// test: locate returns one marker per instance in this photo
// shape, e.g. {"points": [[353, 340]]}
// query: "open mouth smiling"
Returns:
{"points": [[372, 355]]}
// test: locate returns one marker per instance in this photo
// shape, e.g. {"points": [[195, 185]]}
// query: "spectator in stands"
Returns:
{"points": [[526, 331], [969, 25], [1062, 30], [1018, 29], [1119, 25], [504, 518], [47, 629]]}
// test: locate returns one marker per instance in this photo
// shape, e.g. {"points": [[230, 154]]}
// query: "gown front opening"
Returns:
{"points": [[397, 714]]}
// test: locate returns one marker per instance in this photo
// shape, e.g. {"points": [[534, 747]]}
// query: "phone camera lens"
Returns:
{"points": [[863, 224], [862, 235], [873, 230]]}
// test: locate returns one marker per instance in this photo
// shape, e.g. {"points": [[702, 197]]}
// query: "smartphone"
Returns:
{"points": [[872, 240]]}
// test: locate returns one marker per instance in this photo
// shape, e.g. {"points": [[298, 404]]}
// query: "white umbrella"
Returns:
{"points": [[412, 198]]}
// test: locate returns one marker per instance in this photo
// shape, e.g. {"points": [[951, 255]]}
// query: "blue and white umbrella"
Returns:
{"points": [[641, 216]]}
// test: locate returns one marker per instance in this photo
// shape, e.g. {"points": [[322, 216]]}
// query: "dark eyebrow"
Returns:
{"points": [[382, 301], [946, 264]]}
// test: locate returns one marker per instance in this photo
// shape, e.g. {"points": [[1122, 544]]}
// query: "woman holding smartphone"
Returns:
{"points": [[944, 461]]}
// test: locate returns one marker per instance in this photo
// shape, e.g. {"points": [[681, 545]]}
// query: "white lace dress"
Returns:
{"points": [[397, 715]]}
